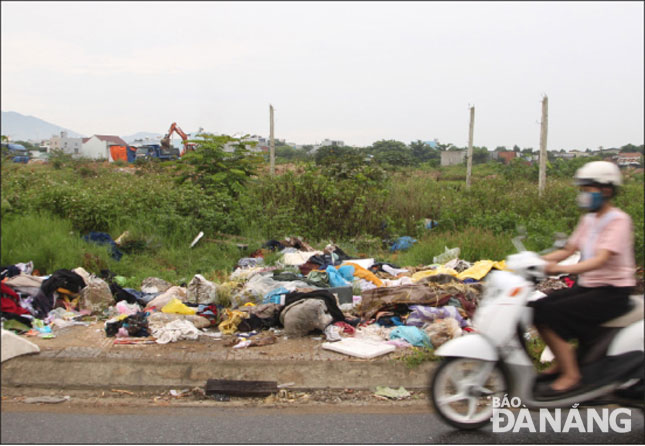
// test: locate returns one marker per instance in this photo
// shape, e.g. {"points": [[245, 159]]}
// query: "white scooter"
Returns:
{"points": [[494, 361]]}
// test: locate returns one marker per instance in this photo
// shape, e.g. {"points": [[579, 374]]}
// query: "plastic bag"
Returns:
{"points": [[447, 255], [413, 335], [402, 243], [335, 278], [201, 291], [178, 307]]}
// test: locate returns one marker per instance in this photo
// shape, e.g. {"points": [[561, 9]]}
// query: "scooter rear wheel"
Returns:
{"points": [[462, 389]]}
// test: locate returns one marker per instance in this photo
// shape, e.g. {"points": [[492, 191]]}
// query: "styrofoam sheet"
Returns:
{"points": [[361, 348]]}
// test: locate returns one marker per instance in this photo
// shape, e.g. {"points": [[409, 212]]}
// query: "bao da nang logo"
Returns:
{"points": [[510, 415]]}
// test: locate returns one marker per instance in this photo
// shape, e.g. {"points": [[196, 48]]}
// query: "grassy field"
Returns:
{"points": [[47, 208]]}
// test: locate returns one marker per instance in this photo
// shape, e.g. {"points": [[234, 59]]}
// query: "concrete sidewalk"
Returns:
{"points": [[84, 358]]}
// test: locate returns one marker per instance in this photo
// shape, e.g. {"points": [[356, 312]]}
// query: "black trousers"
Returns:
{"points": [[575, 313]]}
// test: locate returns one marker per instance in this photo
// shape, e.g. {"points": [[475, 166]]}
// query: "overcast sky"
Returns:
{"points": [[358, 72]]}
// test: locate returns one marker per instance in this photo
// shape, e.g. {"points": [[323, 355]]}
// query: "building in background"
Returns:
{"points": [[452, 157], [66, 144], [629, 159], [505, 156], [98, 146]]}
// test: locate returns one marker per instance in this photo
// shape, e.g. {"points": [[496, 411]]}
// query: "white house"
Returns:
{"points": [[64, 143], [98, 146]]}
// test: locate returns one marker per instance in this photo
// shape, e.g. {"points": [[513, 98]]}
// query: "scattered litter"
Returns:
{"points": [[447, 255], [395, 394], [361, 348], [199, 236], [14, 345], [127, 392], [47, 399], [179, 393]]}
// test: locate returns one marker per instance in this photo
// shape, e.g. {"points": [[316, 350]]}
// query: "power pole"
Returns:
{"points": [[543, 132], [469, 162], [271, 143]]}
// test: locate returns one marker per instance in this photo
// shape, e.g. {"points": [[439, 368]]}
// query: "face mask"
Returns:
{"points": [[591, 201]]}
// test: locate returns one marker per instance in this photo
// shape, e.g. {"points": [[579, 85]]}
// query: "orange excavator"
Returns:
{"points": [[165, 141]]}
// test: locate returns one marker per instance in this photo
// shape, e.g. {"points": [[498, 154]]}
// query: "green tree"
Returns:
{"points": [[422, 152], [480, 155], [391, 152], [516, 148], [631, 148], [500, 149], [214, 169]]}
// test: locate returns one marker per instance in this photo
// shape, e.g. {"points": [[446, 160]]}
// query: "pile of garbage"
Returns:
{"points": [[361, 307]]}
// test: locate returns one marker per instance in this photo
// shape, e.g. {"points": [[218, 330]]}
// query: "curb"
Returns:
{"points": [[137, 374]]}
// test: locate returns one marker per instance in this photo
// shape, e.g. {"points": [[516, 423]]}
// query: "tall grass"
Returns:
{"points": [[46, 210], [49, 241]]}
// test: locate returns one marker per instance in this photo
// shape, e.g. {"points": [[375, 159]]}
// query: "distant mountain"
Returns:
{"points": [[142, 135], [22, 128]]}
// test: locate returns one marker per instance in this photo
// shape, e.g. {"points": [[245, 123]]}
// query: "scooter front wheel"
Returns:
{"points": [[462, 390]]}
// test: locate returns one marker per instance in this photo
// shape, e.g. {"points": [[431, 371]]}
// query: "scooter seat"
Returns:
{"points": [[635, 315]]}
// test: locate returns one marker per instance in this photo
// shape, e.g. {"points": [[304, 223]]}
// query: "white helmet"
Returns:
{"points": [[599, 173]]}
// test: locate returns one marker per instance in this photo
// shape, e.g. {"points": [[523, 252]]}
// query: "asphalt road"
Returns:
{"points": [[320, 425]]}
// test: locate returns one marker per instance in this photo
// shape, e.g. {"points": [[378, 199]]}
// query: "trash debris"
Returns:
{"points": [[176, 306], [47, 399], [175, 331], [395, 394], [412, 335], [447, 255], [201, 291], [127, 392], [14, 345], [402, 243], [179, 393], [361, 348], [154, 285], [443, 330], [196, 239], [304, 316]]}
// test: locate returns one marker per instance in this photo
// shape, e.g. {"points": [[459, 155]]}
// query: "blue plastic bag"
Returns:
{"points": [[347, 272], [402, 243], [413, 335], [335, 278], [274, 296]]}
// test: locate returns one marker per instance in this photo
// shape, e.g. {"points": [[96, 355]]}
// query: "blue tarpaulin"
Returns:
{"points": [[102, 238]]}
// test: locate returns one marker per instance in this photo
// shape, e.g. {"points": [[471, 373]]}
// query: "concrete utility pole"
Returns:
{"points": [[469, 162], [543, 132], [271, 143]]}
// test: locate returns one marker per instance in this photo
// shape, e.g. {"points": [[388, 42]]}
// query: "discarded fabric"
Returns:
{"points": [[422, 314], [102, 238], [413, 335], [175, 331], [304, 316]]}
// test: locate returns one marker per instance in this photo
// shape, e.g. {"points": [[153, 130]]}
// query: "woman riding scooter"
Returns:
{"points": [[606, 274]]}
